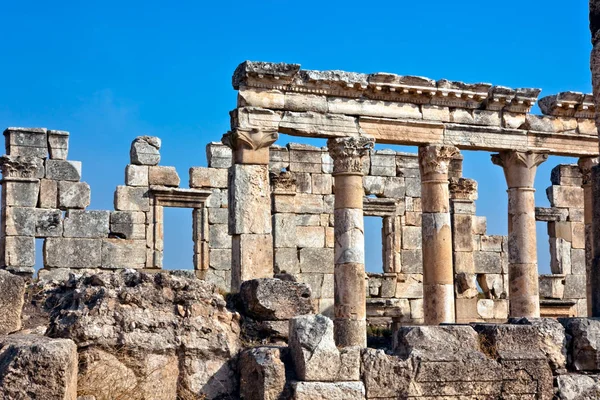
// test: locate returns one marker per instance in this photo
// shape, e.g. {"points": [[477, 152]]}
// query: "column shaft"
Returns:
{"points": [[438, 272]]}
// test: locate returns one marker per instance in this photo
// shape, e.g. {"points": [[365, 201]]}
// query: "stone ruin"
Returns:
{"points": [[279, 305]]}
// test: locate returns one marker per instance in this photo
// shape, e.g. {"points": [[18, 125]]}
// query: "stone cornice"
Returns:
{"points": [[568, 104], [383, 86]]}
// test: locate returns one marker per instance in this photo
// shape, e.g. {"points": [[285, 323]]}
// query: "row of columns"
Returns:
{"points": [[250, 226]]}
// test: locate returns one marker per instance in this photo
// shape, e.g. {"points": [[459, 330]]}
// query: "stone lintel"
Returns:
{"points": [[175, 197]]}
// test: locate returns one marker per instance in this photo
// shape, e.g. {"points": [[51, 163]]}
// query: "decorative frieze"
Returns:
{"points": [[463, 189], [18, 166]]}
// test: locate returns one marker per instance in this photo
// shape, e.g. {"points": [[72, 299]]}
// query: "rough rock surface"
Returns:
{"points": [[553, 339], [275, 299], [169, 330], [578, 387], [585, 335], [328, 391], [37, 367], [145, 150], [263, 374], [12, 296]]}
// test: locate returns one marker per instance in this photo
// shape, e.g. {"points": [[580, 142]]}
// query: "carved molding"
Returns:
{"points": [[18, 166], [348, 153], [585, 165], [463, 189], [250, 139], [529, 159], [436, 159], [283, 182], [568, 104]]}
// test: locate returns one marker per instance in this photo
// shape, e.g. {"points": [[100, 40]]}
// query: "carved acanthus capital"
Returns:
{"points": [[519, 166], [18, 166], [463, 189], [585, 165], [348, 153], [436, 159], [250, 139], [283, 182]]}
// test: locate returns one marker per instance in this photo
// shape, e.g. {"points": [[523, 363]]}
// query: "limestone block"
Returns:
{"points": [[287, 261], [284, 230], [310, 236], [48, 223], [383, 163], [250, 197], [30, 142], [374, 287], [487, 262], [479, 225], [566, 175], [21, 193], [316, 260], [512, 120], [19, 252], [309, 220], [578, 235], [121, 253], [435, 113], [73, 195], [145, 150], [577, 387], [388, 286], [262, 374], [412, 218], [327, 289], [275, 300], [38, 367], [63, 170], [220, 259], [560, 256], [466, 310], [216, 199], [553, 339], [409, 286], [551, 214], [565, 196], [218, 155], [416, 309], [87, 224], [585, 333], [394, 188], [575, 287], [303, 182], [128, 224], [201, 177], [485, 308], [12, 298], [552, 286], [19, 221], [163, 176], [328, 391], [385, 376], [576, 214], [322, 184], [461, 232], [491, 243], [413, 186], [308, 204], [435, 343], [578, 261], [132, 199], [279, 158], [218, 216], [58, 144], [220, 278], [561, 230], [252, 255], [219, 237], [48, 197], [349, 236], [374, 185], [136, 175], [411, 238], [73, 253], [412, 261], [464, 262], [328, 205]]}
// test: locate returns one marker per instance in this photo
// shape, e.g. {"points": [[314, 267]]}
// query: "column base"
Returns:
{"points": [[438, 304], [350, 332]]}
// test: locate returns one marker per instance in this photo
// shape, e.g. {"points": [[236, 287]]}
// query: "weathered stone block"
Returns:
{"points": [[37, 367], [219, 237], [328, 391], [578, 261], [577, 387], [132, 199], [284, 230], [136, 175], [21, 193], [413, 186], [412, 261], [73, 253], [30, 142], [220, 259], [409, 286], [552, 286], [585, 342], [553, 341], [218, 155], [411, 238], [58, 144], [322, 184], [73, 195], [128, 224], [566, 175], [48, 197], [316, 260], [274, 299], [303, 182], [250, 198], [87, 224], [63, 170], [308, 204], [19, 252], [48, 223], [565, 196], [252, 257], [19, 221], [262, 374], [163, 176], [487, 262], [12, 298], [145, 150], [383, 163], [491, 243], [479, 225], [121, 253], [464, 262], [201, 177], [287, 261], [310, 236], [218, 216], [575, 287]]}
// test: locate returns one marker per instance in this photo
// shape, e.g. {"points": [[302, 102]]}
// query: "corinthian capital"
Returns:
{"points": [[585, 165], [519, 166], [18, 166], [250, 139], [436, 159], [463, 189], [348, 153]]}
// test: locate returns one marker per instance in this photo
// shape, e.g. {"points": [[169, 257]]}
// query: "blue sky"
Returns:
{"points": [[110, 71]]}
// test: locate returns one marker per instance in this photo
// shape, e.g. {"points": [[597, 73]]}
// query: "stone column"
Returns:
{"points": [[250, 205], [586, 164], [519, 170], [349, 251], [438, 274]]}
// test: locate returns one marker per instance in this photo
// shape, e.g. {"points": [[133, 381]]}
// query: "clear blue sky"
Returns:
{"points": [[110, 71]]}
